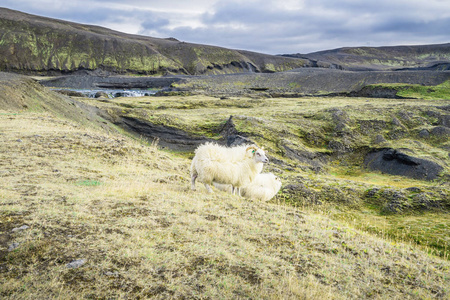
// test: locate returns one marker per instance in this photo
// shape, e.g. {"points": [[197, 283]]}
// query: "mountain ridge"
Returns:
{"points": [[38, 45], [393, 58]]}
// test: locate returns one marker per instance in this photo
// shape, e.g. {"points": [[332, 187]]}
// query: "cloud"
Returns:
{"points": [[269, 26]]}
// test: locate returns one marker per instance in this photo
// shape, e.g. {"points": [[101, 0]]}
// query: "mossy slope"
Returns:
{"points": [[432, 57], [125, 211], [318, 147], [33, 44]]}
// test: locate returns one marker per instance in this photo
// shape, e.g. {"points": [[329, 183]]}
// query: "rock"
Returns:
{"points": [[394, 162], [424, 133], [339, 116], [379, 139], [372, 192], [425, 201], [376, 92], [433, 114], [445, 120], [444, 107], [101, 95], [371, 126], [13, 246], [414, 189], [406, 116], [396, 201], [339, 147], [228, 128], [76, 263], [440, 132], [232, 136], [23, 227], [236, 140], [341, 120], [315, 160], [397, 122], [390, 200], [398, 133], [169, 137]]}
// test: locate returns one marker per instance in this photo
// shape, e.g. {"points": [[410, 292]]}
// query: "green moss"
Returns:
{"points": [[416, 91]]}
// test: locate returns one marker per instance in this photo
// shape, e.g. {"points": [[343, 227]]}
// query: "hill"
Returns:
{"points": [[423, 57], [36, 45], [88, 213]]}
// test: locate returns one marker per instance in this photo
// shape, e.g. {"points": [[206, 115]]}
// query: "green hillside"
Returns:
{"points": [[38, 45], [92, 213], [422, 57]]}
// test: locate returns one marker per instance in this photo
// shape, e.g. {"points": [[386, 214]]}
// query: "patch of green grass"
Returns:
{"points": [[88, 183], [416, 91], [294, 85]]}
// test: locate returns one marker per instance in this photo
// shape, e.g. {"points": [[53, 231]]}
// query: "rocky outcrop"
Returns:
{"points": [[395, 162], [376, 92], [167, 137]]}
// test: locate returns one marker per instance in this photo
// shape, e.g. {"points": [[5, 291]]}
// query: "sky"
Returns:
{"points": [[270, 26]]}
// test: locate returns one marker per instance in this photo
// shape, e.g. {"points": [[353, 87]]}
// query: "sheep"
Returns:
{"points": [[237, 166], [263, 188]]}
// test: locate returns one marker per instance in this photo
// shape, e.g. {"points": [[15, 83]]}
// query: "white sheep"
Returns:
{"points": [[237, 166], [263, 188]]}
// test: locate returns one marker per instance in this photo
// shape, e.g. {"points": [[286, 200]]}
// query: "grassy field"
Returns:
{"points": [[123, 210], [308, 125]]}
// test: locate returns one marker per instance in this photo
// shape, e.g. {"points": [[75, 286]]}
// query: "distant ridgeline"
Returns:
{"points": [[36, 45], [395, 58]]}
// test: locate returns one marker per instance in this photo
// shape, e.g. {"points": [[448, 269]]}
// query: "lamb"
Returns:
{"points": [[263, 188], [237, 166]]}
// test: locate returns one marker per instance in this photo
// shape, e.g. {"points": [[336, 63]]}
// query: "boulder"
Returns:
{"points": [[445, 121], [395, 162], [379, 139], [424, 133], [101, 95], [440, 132], [236, 140]]}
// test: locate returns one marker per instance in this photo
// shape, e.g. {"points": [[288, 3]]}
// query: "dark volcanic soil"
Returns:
{"points": [[307, 81], [298, 82]]}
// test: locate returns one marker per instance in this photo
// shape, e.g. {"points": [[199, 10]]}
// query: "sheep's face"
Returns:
{"points": [[278, 183], [258, 155]]}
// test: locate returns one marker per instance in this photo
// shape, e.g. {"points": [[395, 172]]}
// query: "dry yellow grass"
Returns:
{"points": [[127, 211]]}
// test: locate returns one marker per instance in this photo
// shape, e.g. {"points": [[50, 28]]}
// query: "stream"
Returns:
{"points": [[113, 93]]}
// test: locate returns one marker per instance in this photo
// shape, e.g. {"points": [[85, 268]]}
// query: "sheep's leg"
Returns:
{"points": [[208, 188], [193, 178], [235, 191]]}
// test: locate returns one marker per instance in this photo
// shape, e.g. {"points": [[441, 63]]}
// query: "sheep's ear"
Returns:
{"points": [[250, 148], [253, 151]]}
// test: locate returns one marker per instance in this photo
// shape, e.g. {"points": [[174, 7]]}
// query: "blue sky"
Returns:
{"points": [[273, 27]]}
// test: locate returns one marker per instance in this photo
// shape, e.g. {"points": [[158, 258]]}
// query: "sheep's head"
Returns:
{"points": [[258, 154], [278, 182]]}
